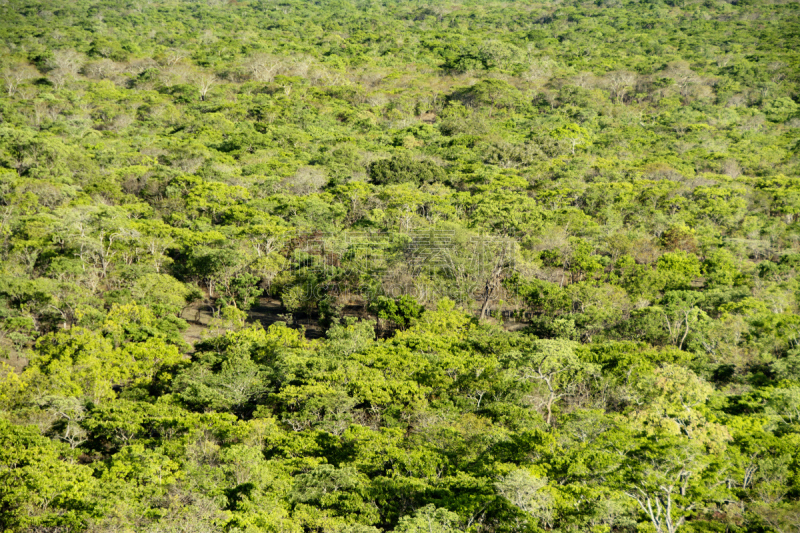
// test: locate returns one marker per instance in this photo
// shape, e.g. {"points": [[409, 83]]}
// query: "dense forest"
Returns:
{"points": [[355, 266]]}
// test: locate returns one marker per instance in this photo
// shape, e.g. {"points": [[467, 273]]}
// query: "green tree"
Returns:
{"points": [[553, 365], [39, 485], [572, 135], [403, 169], [528, 493], [429, 519]]}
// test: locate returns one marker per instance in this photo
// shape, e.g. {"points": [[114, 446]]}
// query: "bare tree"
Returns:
{"points": [[306, 180], [204, 81], [777, 74], [16, 75], [585, 80], [731, 168], [500, 256], [58, 78], [539, 72], [683, 76], [63, 65], [175, 74], [67, 61], [619, 82], [263, 67], [175, 56], [102, 69]]}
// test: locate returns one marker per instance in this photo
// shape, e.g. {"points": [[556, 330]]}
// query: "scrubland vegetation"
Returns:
{"points": [[548, 251]]}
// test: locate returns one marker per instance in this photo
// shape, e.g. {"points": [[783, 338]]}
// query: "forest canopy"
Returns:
{"points": [[376, 266]]}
